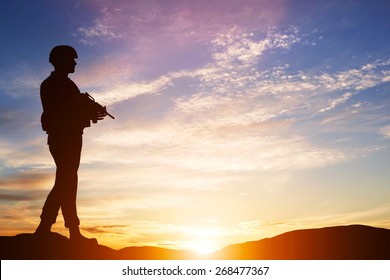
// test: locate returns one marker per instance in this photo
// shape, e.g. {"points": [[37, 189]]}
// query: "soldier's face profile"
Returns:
{"points": [[71, 65], [66, 65]]}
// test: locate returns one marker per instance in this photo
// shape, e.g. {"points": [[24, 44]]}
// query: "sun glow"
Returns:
{"points": [[203, 247]]}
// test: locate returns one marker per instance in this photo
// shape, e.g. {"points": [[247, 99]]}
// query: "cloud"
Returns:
{"points": [[14, 197], [126, 91], [234, 54], [7, 117], [233, 74], [385, 131], [101, 29], [179, 23], [20, 81], [30, 152], [28, 180], [230, 110], [180, 235], [376, 215], [231, 116], [212, 101], [333, 103], [111, 229]]}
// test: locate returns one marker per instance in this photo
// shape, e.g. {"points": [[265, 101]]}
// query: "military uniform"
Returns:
{"points": [[63, 119]]}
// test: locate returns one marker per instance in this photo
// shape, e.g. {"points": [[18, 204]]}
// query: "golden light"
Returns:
{"points": [[203, 247]]}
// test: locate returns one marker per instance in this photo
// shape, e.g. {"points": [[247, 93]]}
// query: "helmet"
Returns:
{"points": [[62, 52]]}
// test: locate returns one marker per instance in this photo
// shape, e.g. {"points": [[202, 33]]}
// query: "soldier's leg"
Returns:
{"points": [[70, 167], [66, 153], [68, 205], [53, 201], [51, 206]]}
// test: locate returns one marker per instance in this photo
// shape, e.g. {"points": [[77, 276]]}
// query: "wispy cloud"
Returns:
{"points": [[233, 116], [214, 107], [20, 81], [101, 29], [385, 131], [23, 181], [234, 55], [180, 23], [374, 216]]}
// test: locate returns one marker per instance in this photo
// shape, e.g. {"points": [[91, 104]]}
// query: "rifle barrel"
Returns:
{"points": [[111, 116]]}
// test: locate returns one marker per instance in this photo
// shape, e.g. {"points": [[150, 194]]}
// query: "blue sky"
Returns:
{"points": [[235, 120]]}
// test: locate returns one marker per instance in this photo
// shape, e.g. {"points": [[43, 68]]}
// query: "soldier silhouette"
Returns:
{"points": [[66, 112]]}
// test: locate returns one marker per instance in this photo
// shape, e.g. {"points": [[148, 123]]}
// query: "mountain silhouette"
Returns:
{"points": [[351, 242], [27, 246], [354, 242]]}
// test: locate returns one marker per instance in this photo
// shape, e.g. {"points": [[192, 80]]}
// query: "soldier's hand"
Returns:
{"points": [[101, 115]]}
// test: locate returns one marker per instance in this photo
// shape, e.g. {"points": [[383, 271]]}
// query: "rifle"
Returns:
{"points": [[97, 108]]}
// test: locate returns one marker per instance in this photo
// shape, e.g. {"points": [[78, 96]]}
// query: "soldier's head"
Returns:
{"points": [[63, 58]]}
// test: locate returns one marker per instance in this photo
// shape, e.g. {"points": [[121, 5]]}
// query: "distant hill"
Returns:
{"points": [[354, 242], [331, 243], [59, 247]]}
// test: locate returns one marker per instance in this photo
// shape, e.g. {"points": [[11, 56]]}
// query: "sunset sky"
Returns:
{"points": [[236, 120]]}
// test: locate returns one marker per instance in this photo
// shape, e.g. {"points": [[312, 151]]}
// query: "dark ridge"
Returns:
{"points": [[354, 242]]}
